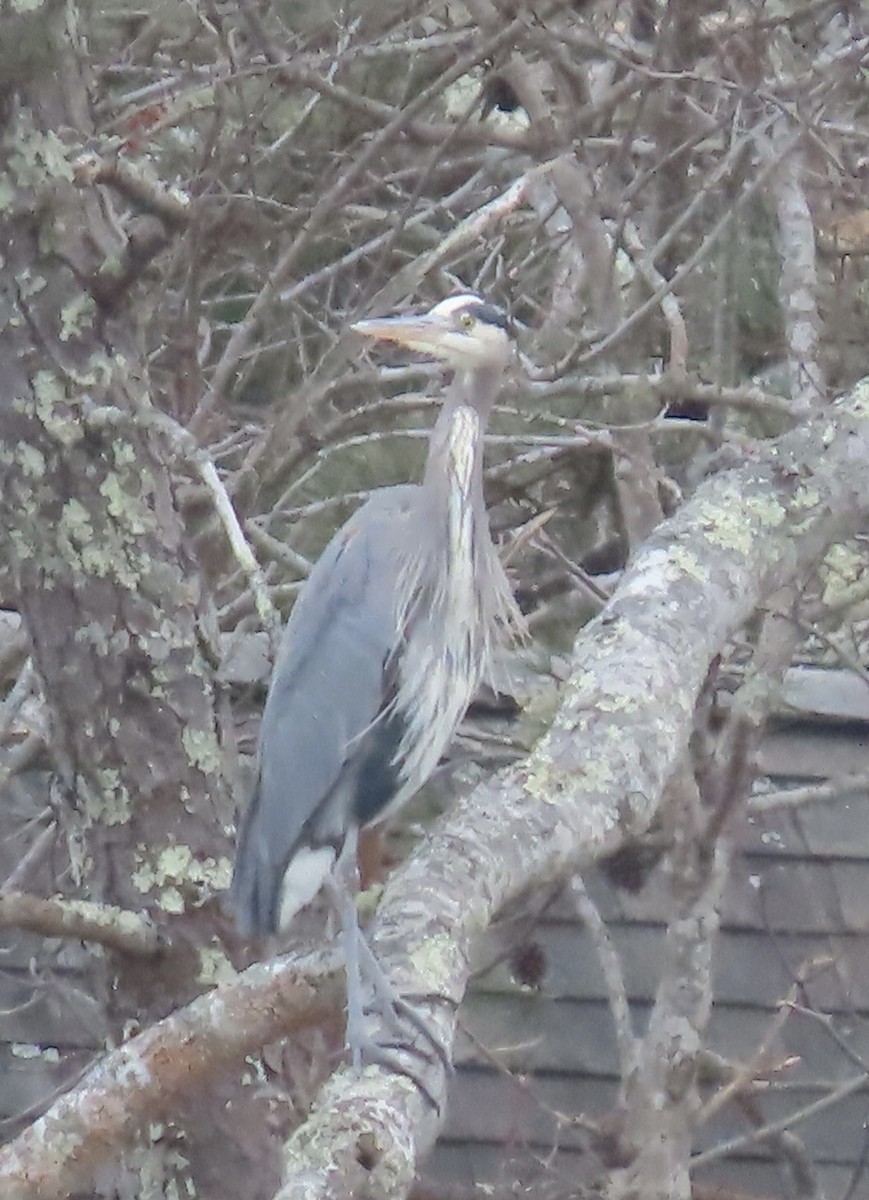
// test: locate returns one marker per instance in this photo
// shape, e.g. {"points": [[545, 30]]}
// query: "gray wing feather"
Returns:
{"points": [[326, 690]]}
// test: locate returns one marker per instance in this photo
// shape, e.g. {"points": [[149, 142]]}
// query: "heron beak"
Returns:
{"points": [[423, 333]]}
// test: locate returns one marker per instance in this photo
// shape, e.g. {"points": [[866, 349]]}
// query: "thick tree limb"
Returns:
{"points": [[597, 776], [624, 721], [141, 1080]]}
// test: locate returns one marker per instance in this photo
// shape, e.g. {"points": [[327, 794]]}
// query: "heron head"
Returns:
{"points": [[465, 332]]}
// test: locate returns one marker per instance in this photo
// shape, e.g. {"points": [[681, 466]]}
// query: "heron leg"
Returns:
{"points": [[362, 968], [352, 941], [395, 1007]]}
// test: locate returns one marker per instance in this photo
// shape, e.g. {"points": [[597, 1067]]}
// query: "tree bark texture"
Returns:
{"points": [[91, 535]]}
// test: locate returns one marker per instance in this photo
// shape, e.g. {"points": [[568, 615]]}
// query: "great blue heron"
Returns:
{"points": [[387, 642]]}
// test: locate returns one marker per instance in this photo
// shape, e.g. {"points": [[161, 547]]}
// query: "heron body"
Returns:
{"points": [[387, 642]]}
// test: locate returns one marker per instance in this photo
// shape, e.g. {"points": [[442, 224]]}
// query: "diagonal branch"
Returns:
{"points": [[624, 722], [141, 1080]]}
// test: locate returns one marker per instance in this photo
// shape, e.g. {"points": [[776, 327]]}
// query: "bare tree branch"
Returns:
{"points": [[623, 724], [140, 1080], [799, 275]]}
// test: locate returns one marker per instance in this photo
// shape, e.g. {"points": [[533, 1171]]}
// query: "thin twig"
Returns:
{"points": [[716, 1153], [616, 991]]}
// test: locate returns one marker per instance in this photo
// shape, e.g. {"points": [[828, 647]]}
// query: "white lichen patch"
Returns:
{"points": [[49, 1054], [214, 967], [75, 523], [30, 284], [50, 402], [621, 702], [124, 453], [27, 6]]}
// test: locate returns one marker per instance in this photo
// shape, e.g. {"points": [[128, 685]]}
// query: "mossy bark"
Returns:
{"points": [[90, 532]]}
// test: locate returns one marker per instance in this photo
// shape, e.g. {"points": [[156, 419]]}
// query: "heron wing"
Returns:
{"points": [[326, 692]]}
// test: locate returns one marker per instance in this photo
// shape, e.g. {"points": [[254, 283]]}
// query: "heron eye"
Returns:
{"points": [[467, 320]]}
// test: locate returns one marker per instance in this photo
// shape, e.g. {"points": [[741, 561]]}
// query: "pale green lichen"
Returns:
{"points": [[124, 453], [48, 393], [31, 460], [806, 496], [110, 563], [75, 522], [39, 156], [688, 564], [620, 703], [766, 511], [174, 868], [202, 749], [107, 802], [546, 782], [124, 507], [843, 575], [76, 316], [92, 634], [214, 967], [723, 521], [50, 406], [106, 557], [143, 877], [171, 901], [724, 529], [433, 957]]}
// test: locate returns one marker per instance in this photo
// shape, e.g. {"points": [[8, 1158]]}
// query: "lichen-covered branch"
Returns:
{"points": [[106, 924], [623, 724], [799, 278], [142, 1079]]}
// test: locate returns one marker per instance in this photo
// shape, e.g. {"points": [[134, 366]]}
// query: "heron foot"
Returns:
{"points": [[366, 1050], [394, 1008], [397, 1013]]}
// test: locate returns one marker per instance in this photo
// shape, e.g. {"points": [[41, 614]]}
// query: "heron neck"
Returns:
{"points": [[473, 389], [478, 389]]}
